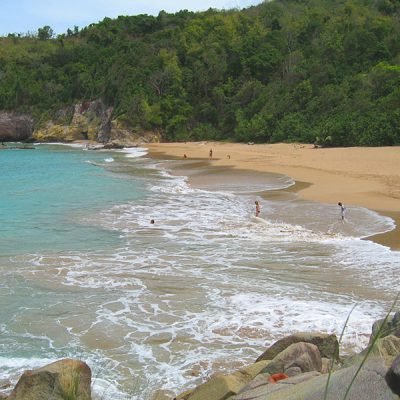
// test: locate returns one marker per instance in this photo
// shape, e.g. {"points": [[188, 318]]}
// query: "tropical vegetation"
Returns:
{"points": [[286, 70]]}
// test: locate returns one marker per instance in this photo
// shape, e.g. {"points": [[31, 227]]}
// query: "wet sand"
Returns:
{"points": [[359, 176]]}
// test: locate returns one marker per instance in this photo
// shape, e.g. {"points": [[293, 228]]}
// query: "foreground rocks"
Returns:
{"points": [[307, 366], [65, 379]]}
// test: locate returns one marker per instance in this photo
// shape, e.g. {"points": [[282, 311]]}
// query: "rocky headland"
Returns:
{"points": [[90, 121], [302, 366]]}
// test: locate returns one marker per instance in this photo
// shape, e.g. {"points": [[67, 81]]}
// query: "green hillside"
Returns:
{"points": [[286, 70]]}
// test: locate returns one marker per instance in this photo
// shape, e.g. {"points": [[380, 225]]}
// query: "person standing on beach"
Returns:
{"points": [[342, 209], [258, 208], [210, 154]]}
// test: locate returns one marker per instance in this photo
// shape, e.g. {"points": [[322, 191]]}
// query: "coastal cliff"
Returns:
{"points": [[90, 120], [15, 126], [83, 121]]}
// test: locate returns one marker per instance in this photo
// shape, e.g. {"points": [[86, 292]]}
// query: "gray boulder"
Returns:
{"points": [[60, 380], [296, 359], [327, 344], [37, 386], [15, 127]]}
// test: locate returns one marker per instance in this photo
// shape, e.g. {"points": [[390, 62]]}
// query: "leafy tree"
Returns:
{"points": [[45, 33]]}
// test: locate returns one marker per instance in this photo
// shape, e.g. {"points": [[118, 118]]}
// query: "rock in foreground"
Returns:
{"points": [[64, 379]]}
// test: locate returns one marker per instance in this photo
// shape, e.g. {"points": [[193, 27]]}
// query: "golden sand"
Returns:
{"points": [[357, 176]]}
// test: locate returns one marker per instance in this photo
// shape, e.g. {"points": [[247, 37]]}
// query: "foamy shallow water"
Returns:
{"points": [[206, 288]]}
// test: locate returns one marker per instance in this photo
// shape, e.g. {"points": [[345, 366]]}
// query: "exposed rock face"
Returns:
{"points": [[15, 127], [37, 385], [123, 135], [57, 381], [90, 120]]}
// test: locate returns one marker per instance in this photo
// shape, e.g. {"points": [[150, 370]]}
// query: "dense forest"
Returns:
{"points": [[285, 70]]}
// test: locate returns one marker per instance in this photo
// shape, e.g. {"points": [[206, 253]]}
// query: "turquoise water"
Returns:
{"points": [[45, 192]]}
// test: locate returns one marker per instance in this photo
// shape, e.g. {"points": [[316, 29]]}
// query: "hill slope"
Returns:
{"points": [[285, 70]]}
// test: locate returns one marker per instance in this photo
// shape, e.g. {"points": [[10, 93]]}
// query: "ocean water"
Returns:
{"points": [[161, 306]]}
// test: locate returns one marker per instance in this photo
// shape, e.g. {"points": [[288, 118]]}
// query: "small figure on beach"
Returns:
{"points": [[229, 156], [185, 156], [152, 221], [210, 154], [342, 210], [258, 208]]}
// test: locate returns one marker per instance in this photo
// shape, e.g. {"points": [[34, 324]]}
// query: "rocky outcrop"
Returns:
{"points": [[122, 134], [64, 379], [368, 385], [296, 359], [15, 127], [90, 121], [307, 366], [223, 386], [328, 345]]}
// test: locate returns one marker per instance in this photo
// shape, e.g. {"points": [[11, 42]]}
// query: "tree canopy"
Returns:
{"points": [[285, 70]]}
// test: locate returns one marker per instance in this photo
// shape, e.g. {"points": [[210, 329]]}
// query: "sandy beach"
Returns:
{"points": [[358, 176]]}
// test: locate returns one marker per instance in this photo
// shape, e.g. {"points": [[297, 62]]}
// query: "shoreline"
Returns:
{"points": [[365, 177]]}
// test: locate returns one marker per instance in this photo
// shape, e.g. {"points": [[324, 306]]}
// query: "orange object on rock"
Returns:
{"points": [[277, 377]]}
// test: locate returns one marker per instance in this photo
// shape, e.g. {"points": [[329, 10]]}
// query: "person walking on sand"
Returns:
{"points": [[210, 154], [258, 208], [342, 209]]}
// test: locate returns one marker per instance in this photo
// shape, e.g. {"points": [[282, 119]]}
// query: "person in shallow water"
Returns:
{"points": [[258, 208], [342, 209]]}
